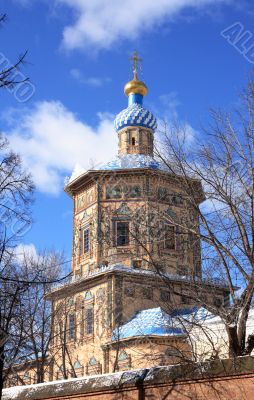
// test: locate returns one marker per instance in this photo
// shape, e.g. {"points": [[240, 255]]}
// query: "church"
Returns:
{"points": [[134, 268]]}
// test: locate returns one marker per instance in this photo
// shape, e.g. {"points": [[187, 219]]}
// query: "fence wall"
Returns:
{"points": [[221, 379]]}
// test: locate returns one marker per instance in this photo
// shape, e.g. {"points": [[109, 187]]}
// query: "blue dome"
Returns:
{"points": [[135, 115]]}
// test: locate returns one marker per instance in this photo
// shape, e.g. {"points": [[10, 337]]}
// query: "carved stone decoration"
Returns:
{"points": [[113, 192], [129, 291], [76, 241], [123, 210], [101, 295], [85, 216]]}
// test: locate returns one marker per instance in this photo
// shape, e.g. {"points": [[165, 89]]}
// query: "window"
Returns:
{"points": [[123, 361], [165, 296], [185, 299], [77, 365], [122, 356], [86, 240], [133, 191], [113, 192], [71, 301], [137, 264], [226, 299], [93, 361], [71, 326], [129, 291], [162, 193], [177, 199], [26, 377], [147, 293], [88, 295], [89, 321], [217, 302], [170, 237], [122, 233], [93, 366]]}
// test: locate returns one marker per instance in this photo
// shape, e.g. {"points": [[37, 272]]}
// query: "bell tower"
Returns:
{"points": [[135, 125]]}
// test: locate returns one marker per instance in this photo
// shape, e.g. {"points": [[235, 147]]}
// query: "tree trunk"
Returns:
{"points": [[1, 370], [234, 348]]}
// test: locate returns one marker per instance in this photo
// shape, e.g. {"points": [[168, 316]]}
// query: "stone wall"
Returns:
{"points": [[220, 379]]}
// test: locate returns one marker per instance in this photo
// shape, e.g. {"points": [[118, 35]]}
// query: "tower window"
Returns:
{"points": [[165, 296], [86, 240], [71, 326], [133, 141], [89, 321], [122, 233], [170, 242], [137, 264]]}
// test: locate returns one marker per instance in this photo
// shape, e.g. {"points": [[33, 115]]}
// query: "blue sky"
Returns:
{"points": [[78, 63]]}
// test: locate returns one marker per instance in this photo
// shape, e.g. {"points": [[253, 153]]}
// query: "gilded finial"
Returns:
{"points": [[136, 59], [135, 86]]}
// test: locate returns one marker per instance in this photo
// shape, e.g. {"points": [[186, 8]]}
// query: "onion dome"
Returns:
{"points": [[135, 87], [135, 114]]}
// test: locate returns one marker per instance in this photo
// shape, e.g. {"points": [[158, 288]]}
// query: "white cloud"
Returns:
{"points": [[26, 251], [100, 23], [91, 81], [52, 140]]}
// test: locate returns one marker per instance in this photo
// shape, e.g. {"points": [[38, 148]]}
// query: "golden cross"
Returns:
{"points": [[136, 59]]}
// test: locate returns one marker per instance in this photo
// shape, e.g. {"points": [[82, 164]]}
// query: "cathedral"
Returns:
{"points": [[133, 267]]}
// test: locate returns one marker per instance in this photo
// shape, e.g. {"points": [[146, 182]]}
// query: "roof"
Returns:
{"points": [[132, 161], [156, 322], [153, 321], [135, 115], [119, 268]]}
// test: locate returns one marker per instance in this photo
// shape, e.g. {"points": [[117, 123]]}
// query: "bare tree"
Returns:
{"points": [[36, 310], [221, 158], [16, 190], [8, 73]]}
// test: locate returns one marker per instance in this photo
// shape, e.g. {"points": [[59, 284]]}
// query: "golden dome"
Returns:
{"points": [[135, 87]]}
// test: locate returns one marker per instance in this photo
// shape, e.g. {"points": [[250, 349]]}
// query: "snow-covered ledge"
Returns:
{"points": [[128, 380]]}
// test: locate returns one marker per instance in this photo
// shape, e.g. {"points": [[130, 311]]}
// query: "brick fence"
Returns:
{"points": [[221, 379]]}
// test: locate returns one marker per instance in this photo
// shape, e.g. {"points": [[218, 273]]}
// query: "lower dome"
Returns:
{"points": [[135, 115]]}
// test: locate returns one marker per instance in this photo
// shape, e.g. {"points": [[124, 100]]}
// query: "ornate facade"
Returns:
{"points": [[132, 264]]}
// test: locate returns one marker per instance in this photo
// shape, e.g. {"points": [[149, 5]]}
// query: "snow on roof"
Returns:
{"points": [[122, 161], [152, 321], [134, 271], [156, 322]]}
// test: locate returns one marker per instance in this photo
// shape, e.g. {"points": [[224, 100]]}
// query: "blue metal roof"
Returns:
{"points": [[157, 322], [153, 321], [135, 115]]}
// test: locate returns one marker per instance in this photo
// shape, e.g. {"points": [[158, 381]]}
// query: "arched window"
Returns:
{"points": [[93, 361], [89, 321], [70, 301], [88, 295], [77, 365], [122, 356], [72, 327], [26, 376]]}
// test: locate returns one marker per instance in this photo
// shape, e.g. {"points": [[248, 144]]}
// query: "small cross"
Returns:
{"points": [[136, 59]]}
